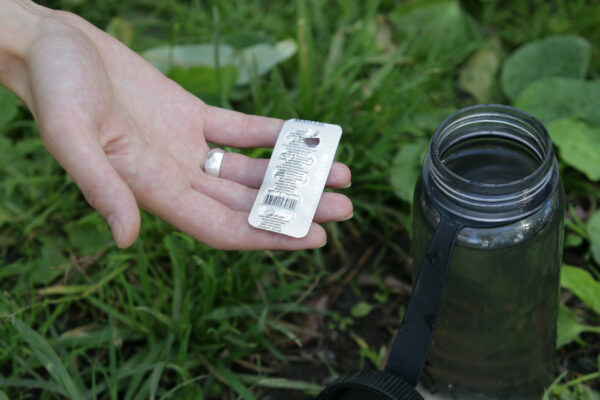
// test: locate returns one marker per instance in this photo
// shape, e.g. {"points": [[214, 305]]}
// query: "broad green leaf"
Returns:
{"points": [[48, 358], [406, 169], [573, 240], [593, 228], [89, 234], [203, 81], [578, 144], [361, 309], [436, 31], [478, 75], [51, 264], [582, 284], [251, 61], [569, 328], [554, 56], [8, 105], [555, 98]]}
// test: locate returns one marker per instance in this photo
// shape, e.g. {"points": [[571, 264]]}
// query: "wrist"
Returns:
{"points": [[19, 21]]}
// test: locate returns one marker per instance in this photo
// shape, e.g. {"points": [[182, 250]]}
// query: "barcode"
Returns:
{"points": [[281, 202]]}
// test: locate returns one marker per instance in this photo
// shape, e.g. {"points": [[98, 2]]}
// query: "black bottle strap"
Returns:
{"points": [[411, 346]]}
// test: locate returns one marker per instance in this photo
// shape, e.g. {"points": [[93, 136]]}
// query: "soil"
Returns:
{"points": [[335, 347]]}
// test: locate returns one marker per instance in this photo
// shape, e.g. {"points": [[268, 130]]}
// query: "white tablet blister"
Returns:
{"points": [[295, 177]]}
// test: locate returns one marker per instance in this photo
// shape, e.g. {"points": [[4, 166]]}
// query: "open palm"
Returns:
{"points": [[129, 137]]}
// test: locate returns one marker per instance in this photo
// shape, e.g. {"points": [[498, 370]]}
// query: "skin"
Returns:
{"points": [[130, 137]]}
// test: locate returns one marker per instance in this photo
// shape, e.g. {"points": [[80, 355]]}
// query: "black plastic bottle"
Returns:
{"points": [[493, 168]]}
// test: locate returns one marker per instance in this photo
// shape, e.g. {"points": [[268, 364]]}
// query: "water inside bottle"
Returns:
{"points": [[491, 160]]}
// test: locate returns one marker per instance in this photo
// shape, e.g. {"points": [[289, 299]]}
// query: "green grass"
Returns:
{"points": [[171, 318]]}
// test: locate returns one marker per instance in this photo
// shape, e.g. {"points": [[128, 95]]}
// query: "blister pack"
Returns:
{"points": [[295, 177]]}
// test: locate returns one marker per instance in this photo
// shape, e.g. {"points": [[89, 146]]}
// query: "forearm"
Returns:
{"points": [[19, 20]]}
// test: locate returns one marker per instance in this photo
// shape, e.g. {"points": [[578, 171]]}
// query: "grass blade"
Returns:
{"points": [[181, 385], [229, 378], [306, 70], [44, 353], [281, 383], [31, 384], [155, 379]]}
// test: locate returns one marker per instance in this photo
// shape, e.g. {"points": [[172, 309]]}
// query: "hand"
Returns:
{"points": [[129, 136]]}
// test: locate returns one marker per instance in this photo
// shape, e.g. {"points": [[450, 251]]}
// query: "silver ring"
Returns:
{"points": [[214, 159]]}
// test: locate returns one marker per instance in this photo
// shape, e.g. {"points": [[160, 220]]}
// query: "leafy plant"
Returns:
{"points": [[478, 75], [593, 228], [569, 327], [8, 105], [254, 60], [583, 285], [439, 32], [554, 56], [579, 145], [555, 98]]}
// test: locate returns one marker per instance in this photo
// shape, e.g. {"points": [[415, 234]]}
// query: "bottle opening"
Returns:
{"points": [[490, 164], [491, 159]]}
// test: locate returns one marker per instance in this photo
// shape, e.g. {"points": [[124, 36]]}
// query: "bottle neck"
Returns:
{"points": [[490, 165]]}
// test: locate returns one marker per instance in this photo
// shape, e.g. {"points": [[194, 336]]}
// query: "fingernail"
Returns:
{"points": [[115, 227], [348, 185], [350, 217]]}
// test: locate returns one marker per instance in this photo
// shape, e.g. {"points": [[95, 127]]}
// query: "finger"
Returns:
{"points": [[232, 194], [332, 206], [164, 190], [250, 171], [220, 227], [103, 188], [232, 128]]}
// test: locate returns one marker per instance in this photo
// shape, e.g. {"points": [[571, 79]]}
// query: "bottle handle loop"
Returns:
{"points": [[410, 349], [411, 346]]}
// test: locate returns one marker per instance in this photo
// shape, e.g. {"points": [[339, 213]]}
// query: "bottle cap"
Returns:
{"points": [[370, 385]]}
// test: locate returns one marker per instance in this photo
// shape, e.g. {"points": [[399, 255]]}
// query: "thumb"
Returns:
{"points": [[103, 188], [106, 191]]}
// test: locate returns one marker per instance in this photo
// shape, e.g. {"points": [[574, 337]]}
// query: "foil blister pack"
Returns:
{"points": [[296, 175]]}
